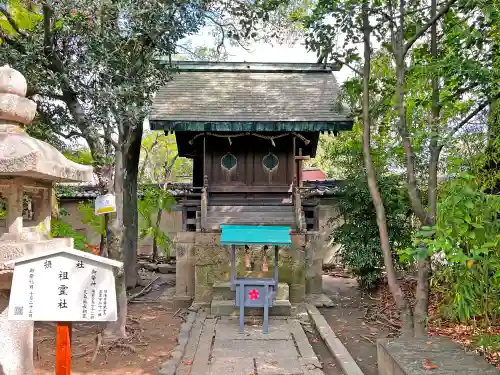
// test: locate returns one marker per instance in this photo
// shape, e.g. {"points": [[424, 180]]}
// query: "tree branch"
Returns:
{"points": [[12, 22], [71, 134], [426, 27], [360, 73], [12, 42], [469, 117]]}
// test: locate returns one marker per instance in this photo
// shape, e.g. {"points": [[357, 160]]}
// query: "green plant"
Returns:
{"points": [[152, 204], [88, 216], [358, 233], [59, 228], [3, 208], [467, 237]]}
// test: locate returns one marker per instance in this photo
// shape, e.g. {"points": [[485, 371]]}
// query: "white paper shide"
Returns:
{"points": [[65, 286]]}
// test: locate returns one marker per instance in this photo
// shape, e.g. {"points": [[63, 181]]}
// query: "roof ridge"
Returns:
{"points": [[253, 67]]}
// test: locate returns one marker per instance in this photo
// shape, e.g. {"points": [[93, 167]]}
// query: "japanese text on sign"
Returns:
{"points": [[63, 287]]}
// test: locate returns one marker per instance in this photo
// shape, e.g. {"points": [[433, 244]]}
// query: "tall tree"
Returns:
{"points": [[410, 35]]}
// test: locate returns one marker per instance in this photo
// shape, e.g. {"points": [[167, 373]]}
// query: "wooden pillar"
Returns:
{"points": [[15, 208], [63, 348]]}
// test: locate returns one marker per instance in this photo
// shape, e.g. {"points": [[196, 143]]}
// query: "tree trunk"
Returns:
{"points": [[131, 154], [423, 263], [156, 252], [405, 310], [114, 239]]}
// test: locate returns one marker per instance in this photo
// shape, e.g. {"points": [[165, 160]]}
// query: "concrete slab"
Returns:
{"points": [[279, 366], [254, 348], [218, 348], [277, 331], [231, 365]]}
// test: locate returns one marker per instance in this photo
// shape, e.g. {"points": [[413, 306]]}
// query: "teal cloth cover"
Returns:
{"points": [[255, 235]]}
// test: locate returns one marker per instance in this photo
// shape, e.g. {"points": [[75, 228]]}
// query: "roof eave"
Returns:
{"points": [[341, 124]]}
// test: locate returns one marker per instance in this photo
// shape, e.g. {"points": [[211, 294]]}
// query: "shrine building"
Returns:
{"points": [[248, 127]]}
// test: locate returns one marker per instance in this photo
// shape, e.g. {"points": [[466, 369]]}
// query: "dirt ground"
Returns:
{"points": [[348, 321], [152, 331]]}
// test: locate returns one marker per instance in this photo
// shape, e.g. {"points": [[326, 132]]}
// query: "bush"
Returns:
{"points": [[60, 228], [468, 235], [359, 235]]}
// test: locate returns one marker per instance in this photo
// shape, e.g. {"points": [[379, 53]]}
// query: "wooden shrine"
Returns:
{"points": [[248, 127]]}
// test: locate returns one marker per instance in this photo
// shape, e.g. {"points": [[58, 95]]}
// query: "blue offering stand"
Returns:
{"points": [[255, 292]]}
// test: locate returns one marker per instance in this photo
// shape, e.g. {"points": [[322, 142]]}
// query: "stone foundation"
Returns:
{"points": [[202, 261]]}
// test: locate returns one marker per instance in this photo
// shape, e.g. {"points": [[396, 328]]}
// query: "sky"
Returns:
{"points": [[266, 52]]}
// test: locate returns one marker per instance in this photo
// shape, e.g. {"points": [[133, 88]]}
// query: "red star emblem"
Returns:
{"points": [[253, 295]]}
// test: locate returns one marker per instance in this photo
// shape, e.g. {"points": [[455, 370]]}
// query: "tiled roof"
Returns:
{"points": [[73, 191], [248, 94], [311, 189], [313, 174]]}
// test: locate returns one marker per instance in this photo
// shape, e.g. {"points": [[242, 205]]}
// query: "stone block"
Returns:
{"points": [[185, 237], [227, 308], [167, 268], [222, 291], [279, 366], [212, 254], [207, 239], [231, 365], [182, 302], [297, 293], [222, 307], [408, 357]]}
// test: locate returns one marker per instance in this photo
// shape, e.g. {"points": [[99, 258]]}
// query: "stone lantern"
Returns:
{"points": [[28, 168]]}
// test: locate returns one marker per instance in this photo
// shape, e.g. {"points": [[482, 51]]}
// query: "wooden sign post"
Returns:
{"points": [[63, 286]]}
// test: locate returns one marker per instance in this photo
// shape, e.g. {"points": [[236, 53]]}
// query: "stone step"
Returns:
{"points": [[249, 208], [227, 308], [222, 291], [215, 222]]}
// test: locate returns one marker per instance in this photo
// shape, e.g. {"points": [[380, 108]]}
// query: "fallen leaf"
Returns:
{"points": [[430, 367]]}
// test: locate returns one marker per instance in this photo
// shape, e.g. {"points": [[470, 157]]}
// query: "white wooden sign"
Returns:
{"points": [[105, 204], [63, 285]]}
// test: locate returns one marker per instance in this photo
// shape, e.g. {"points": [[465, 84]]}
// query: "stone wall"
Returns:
{"points": [[171, 223], [201, 261]]}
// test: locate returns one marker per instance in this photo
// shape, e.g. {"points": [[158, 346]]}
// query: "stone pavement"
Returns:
{"points": [[215, 347]]}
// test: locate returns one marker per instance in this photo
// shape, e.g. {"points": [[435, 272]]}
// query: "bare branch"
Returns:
{"points": [[71, 134], [469, 117], [12, 22], [426, 27], [360, 73]]}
